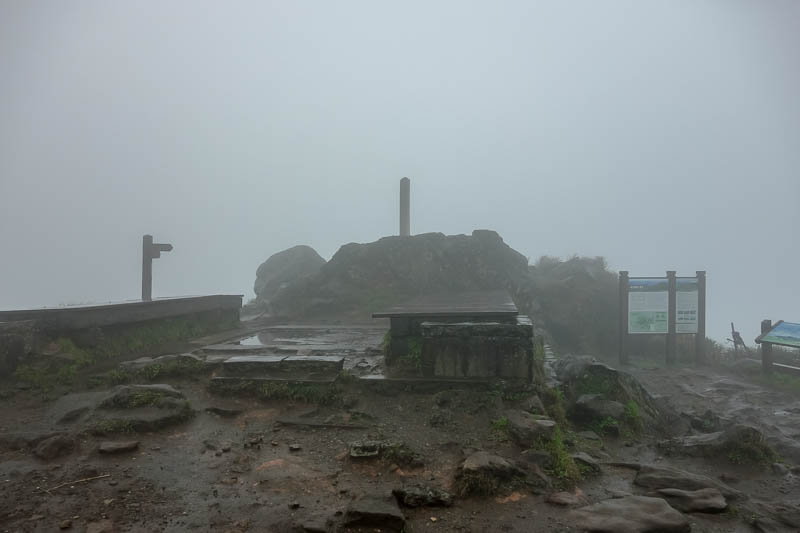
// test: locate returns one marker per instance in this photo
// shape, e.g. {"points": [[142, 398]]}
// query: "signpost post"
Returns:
{"points": [[150, 251]]}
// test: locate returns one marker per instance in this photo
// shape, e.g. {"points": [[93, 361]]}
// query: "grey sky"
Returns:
{"points": [[662, 135]]}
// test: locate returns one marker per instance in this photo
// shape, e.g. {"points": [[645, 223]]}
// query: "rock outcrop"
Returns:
{"points": [[362, 278], [284, 268]]}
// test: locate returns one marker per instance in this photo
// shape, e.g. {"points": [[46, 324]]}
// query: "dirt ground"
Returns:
{"points": [[283, 465]]}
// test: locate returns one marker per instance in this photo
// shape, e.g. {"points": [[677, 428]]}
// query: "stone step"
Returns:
{"points": [[236, 380], [277, 365]]}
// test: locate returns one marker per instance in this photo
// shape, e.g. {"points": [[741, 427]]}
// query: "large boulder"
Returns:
{"points": [[662, 477], [632, 514], [486, 473], [529, 430], [739, 444], [595, 391], [284, 268], [708, 500]]}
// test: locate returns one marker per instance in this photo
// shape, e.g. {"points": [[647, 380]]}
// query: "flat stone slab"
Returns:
{"points": [[475, 303], [521, 328], [632, 514], [274, 365]]}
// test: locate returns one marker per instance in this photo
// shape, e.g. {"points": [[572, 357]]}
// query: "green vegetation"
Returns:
{"points": [[500, 428], [750, 449], [606, 426], [184, 366], [414, 356], [112, 425], [553, 400], [64, 368], [327, 393], [562, 467], [632, 422]]}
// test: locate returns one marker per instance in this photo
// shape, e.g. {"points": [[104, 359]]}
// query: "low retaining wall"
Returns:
{"points": [[113, 329], [478, 350]]}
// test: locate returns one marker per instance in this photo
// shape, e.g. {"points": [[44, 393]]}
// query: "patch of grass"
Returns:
{"points": [[632, 420], [553, 400], [750, 449], [413, 359], [177, 367], [562, 469], [64, 369], [500, 428], [606, 426]]}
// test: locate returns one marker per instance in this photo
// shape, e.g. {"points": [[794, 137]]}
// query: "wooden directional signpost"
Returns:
{"points": [[667, 306], [150, 251]]}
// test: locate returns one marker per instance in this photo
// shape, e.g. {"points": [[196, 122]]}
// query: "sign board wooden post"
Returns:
{"points": [[150, 251], [671, 310], [622, 328]]}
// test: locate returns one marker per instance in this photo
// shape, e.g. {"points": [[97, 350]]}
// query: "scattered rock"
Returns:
{"points": [[294, 505], [375, 512], [586, 462], [540, 458], [65, 524], [118, 447], [133, 396], [739, 444], [419, 496], [589, 435], [397, 452], [533, 404], [101, 526], [295, 447], [780, 469], [74, 414], [632, 514], [223, 412], [708, 500], [596, 407], [528, 430], [661, 477], [707, 423], [54, 446], [564, 498], [486, 473], [365, 449]]}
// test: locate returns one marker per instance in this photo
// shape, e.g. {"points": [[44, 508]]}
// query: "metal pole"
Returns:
{"points": [[700, 336], [405, 207], [671, 309], [766, 348], [147, 268]]}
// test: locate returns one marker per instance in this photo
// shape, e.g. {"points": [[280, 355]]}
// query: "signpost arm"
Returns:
{"points": [[766, 348], [622, 327], [147, 268], [670, 345], [700, 336]]}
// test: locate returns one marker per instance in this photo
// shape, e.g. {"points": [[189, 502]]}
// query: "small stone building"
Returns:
{"points": [[463, 335]]}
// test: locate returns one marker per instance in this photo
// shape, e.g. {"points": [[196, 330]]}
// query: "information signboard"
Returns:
{"points": [[648, 305], [784, 334], [686, 305]]}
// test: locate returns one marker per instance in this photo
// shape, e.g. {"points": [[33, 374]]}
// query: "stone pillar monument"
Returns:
{"points": [[405, 207]]}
